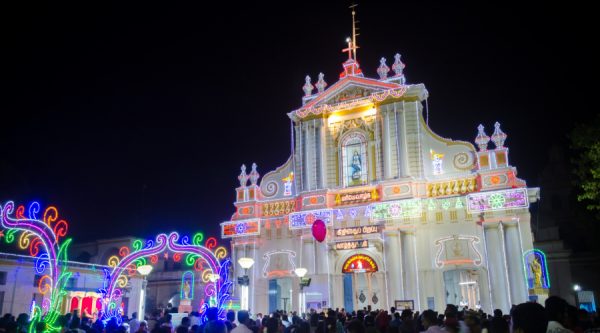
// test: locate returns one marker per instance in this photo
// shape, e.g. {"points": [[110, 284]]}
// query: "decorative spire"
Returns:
{"points": [[482, 139], [254, 175], [398, 67], [308, 87], [243, 177], [498, 137], [321, 84], [383, 69]]}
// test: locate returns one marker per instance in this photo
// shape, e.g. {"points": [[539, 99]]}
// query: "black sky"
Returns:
{"points": [[133, 118]]}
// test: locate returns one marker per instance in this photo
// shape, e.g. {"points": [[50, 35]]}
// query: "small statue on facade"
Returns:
{"points": [[186, 289], [536, 271]]}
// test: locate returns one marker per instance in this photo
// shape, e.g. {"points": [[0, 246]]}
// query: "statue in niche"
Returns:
{"points": [[356, 165], [186, 289], [536, 271]]}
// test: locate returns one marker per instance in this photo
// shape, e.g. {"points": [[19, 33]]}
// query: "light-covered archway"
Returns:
{"points": [[215, 275]]}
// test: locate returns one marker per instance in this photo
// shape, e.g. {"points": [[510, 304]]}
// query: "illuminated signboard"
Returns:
{"points": [[348, 198], [497, 200], [354, 231], [351, 245], [240, 228], [359, 263], [305, 219], [395, 209]]}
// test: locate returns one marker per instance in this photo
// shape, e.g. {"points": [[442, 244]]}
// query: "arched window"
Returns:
{"points": [[354, 159]]}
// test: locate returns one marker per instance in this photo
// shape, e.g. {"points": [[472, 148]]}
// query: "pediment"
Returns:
{"points": [[350, 88]]}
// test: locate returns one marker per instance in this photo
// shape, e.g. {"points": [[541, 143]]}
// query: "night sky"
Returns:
{"points": [[134, 118]]}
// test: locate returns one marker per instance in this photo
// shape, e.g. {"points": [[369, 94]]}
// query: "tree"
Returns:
{"points": [[585, 141]]}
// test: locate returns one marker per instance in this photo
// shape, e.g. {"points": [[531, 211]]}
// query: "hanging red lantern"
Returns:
{"points": [[319, 230]]}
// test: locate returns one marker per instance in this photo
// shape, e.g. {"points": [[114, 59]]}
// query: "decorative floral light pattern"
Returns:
{"points": [[43, 238]]}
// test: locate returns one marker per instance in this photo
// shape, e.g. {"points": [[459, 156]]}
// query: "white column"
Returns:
{"points": [[401, 149], [323, 165], [337, 288], [514, 258], [387, 158], [496, 266], [409, 265], [322, 257], [308, 161], [392, 265], [382, 302], [308, 256]]}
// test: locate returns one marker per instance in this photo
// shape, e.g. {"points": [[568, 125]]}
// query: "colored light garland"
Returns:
{"points": [[43, 237]]}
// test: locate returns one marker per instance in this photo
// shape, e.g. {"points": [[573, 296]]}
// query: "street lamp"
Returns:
{"points": [[576, 290], [304, 282], [244, 281], [144, 271]]}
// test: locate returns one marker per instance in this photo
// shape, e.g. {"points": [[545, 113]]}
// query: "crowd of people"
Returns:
{"points": [[557, 316]]}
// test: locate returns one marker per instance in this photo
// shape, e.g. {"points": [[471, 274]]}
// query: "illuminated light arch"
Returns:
{"points": [[218, 266], [43, 238], [530, 255]]}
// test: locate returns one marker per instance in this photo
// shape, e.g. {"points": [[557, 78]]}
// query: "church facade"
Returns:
{"points": [[412, 219]]}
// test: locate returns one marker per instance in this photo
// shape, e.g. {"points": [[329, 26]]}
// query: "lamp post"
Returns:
{"points": [[244, 281], [144, 270], [576, 290], [301, 272]]}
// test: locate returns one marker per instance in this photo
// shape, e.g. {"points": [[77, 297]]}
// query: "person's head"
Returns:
{"points": [[498, 313], [243, 317], [75, 322], [355, 326], [185, 321], [529, 318], [272, 325], [392, 310], [406, 314], [498, 325], [556, 309], [451, 311], [134, 315], [143, 326], [181, 329], [303, 327], [369, 320], [231, 315], [212, 314], [428, 318], [215, 326]]}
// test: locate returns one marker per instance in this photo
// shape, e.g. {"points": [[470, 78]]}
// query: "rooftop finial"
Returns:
{"points": [[321, 84], [243, 177], [254, 175], [398, 66], [308, 87], [498, 137], [383, 69], [481, 139]]}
